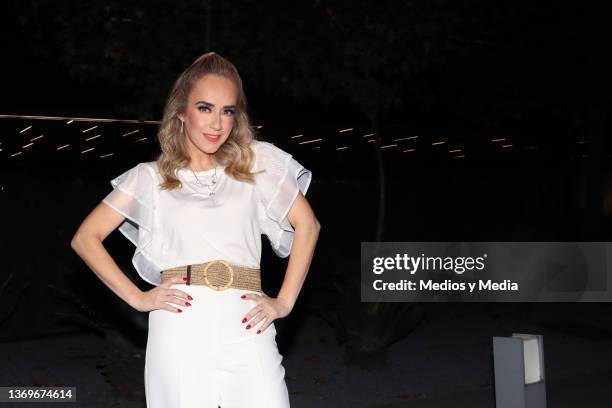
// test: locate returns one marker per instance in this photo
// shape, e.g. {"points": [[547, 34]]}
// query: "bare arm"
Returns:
{"points": [[305, 238], [87, 243]]}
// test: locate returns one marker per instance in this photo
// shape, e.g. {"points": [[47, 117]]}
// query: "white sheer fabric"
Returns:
{"points": [[133, 197], [278, 188], [179, 227]]}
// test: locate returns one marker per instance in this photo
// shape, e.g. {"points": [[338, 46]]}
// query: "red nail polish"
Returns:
{"points": [[189, 297], [184, 279], [248, 326], [187, 303], [243, 297], [180, 311], [244, 320], [258, 331]]}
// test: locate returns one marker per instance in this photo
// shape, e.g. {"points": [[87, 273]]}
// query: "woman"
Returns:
{"points": [[196, 216]]}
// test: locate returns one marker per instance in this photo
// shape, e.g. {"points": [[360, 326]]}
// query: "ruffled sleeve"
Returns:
{"points": [[133, 197], [278, 187]]}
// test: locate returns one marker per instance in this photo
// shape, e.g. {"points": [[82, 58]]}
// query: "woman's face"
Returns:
{"points": [[210, 114]]}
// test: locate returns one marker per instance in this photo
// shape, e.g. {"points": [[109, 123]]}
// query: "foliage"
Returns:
{"points": [[9, 305], [366, 330]]}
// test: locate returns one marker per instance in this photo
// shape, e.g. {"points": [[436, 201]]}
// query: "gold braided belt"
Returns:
{"points": [[217, 275]]}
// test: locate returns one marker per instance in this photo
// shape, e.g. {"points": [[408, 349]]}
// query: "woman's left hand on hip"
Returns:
{"points": [[267, 310]]}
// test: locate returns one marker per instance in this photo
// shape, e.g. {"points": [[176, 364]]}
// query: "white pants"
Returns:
{"points": [[205, 358]]}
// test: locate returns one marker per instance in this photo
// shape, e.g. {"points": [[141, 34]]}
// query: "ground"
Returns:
{"points": [[446, 362]]}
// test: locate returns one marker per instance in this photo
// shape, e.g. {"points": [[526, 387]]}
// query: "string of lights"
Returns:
{"points": [[97, 129]]}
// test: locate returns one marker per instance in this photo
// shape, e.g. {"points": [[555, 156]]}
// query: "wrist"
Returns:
{"points": [[134, 299], [288, 303]]}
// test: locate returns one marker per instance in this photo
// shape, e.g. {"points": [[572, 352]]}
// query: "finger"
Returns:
{"points": [[177, 301], [264, 326], [177, 294], [256, 320], [173, 281], [173, 300], [251, 313], [180, 294], [251, 319], [253, 296], [171, 308]]}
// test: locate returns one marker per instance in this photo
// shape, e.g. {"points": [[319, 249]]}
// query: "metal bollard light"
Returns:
{"points": [[519, 371]]}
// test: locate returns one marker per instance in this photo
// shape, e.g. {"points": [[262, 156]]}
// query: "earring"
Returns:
{"points": [[182, 126]]}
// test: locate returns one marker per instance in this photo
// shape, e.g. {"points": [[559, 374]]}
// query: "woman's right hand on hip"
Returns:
{"points": [[163, 297]]}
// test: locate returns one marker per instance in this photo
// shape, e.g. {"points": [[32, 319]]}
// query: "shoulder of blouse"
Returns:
{"points": [[152, 168], [265, 152]]}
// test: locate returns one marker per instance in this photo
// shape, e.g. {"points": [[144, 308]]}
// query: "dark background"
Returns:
{"points": [[519, 92]]}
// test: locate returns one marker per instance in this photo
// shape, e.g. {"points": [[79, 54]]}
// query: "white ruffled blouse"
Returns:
{"points": [[185, 226]]}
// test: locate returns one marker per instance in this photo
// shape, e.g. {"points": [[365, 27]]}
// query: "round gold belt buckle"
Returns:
{"points": [[227, 267]]}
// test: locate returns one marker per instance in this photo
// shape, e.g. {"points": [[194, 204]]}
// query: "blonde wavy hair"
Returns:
{"points": [[234, 153]]}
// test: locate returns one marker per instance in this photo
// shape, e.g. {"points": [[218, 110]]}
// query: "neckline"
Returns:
{"points": [[187, 171]]}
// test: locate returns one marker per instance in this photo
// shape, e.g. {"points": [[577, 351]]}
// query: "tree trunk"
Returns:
{"points": [[380, 219], [593, 217]]}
